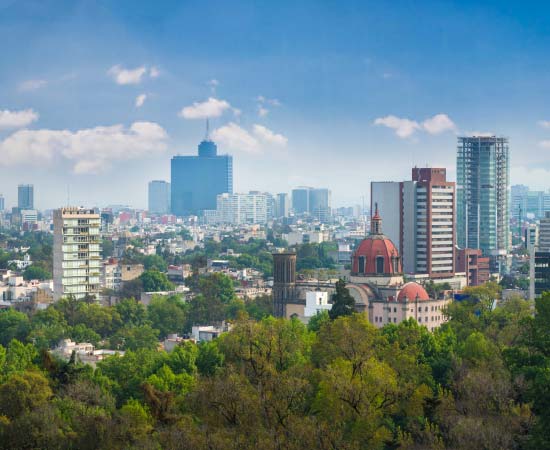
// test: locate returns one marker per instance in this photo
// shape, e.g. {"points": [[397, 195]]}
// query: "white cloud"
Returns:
{"points": [[127, 76], [263, 102], [237, 138], [544, 123], [154, 72], [90, 150], [536, 178], [438, 124], [17, 119], [544, 144], [31, 85], [268, 136], [140, 100], [403, 127], [202, 110]]}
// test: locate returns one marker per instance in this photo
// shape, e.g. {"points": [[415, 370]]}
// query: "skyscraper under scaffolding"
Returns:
{"points": [[482, 184]]}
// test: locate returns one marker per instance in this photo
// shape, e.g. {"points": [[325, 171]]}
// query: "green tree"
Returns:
{"points": [[135, 337], [167, 314], [13, 325], [22, 393], [36, 272], [343, 304], [155, 281], [155, 262]]}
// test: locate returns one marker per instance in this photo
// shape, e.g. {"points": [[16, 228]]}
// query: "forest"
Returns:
{"points": [[480, 381]]}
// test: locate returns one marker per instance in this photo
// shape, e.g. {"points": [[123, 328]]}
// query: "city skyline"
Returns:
{"points": [[90, 115]]}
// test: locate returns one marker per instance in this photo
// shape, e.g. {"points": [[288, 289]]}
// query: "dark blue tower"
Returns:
{"points": [[197, 180]]}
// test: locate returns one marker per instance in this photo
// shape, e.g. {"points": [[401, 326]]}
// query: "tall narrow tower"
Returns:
{"points": [[284, 281]]}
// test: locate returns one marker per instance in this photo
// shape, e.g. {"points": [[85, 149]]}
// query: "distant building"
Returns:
{"points": [[531, 236], [159, 197], [25, 196], [237, 209], [196, 181], [76, 253], [2, 203], [315, 202], [483, 174], [282, 205], [316, 302], [526, 203]]}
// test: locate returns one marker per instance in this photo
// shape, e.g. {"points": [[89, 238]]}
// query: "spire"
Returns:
{"points": [[207, 135], [376, 222]]}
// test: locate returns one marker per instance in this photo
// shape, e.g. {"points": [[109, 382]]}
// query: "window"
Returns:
{"points": [[420, 319], [379, 264], [394, 319], [394, 309], [426, 309], [361, 264]]}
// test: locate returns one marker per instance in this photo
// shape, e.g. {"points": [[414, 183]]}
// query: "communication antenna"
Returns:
{"points": [[207, 135]]}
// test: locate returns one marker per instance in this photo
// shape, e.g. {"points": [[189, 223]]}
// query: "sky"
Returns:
{"points": [[96, 97]]}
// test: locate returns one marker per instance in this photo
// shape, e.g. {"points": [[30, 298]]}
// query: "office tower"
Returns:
{"points": [[282, 205], [300, 200], [76, 253], [419, 218], [197, 180], [483, 173], [531, 236], [238, 208], [312, 201], [284, 281], [2, 203], [319, 204], [25, 196], [530, 204], [540, 260], [159, 197]]}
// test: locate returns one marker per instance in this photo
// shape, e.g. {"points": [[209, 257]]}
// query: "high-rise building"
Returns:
{"points": [[25, 196], [159, 197], [474, 265], [483, 173], [237, 209], [2, 203], [196, 181], [312, 201], [540, 260], [419, 219], [76, 253], [319, 204], [300, 200], [528, 203], [282, 205]]}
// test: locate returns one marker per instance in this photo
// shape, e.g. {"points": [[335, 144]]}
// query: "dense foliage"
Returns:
{"points": [[480, 381]]}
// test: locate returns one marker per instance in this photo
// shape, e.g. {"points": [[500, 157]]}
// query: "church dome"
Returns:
{"points": [[412, 291], [376, 254]]}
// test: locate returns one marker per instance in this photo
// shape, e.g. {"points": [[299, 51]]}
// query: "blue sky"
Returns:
{"points": [[322, 93]]}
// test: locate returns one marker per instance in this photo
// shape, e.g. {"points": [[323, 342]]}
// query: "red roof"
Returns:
{"points": [[370, 248], [412, 291]]}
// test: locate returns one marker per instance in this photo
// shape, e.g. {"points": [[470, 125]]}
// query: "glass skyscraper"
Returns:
{"points": [[159, 197], [197, 180], [25, 196], [483, 174]]}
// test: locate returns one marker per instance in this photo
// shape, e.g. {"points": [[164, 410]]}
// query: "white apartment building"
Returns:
{"points": [[237, 209], [76, 252]]}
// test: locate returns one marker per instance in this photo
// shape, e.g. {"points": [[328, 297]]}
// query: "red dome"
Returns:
{"points": [[412, 291], [376, 255]]}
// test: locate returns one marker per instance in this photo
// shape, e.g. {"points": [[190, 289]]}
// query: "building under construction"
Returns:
{"points": [[482, 182]]}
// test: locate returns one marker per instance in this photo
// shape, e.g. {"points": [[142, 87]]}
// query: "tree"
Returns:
{"points": [[167, 314], [155, 262], [22, 393], [133, 337], [343, 304], [36, 272], [13, 325], [155, 281], [107, 248]]}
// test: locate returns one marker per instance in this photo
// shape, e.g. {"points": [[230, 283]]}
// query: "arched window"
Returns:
{"points": [[361, 264], [379, 264]]}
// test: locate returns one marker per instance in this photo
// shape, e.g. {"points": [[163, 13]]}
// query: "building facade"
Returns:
{"points": [[526, 203], [419, 218], [25, 196], [159, 197], [315, 202], [540, 260], [476, 267], [76, 253], [236, 209], [282, 205], [196, 181], [483, 173]]}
